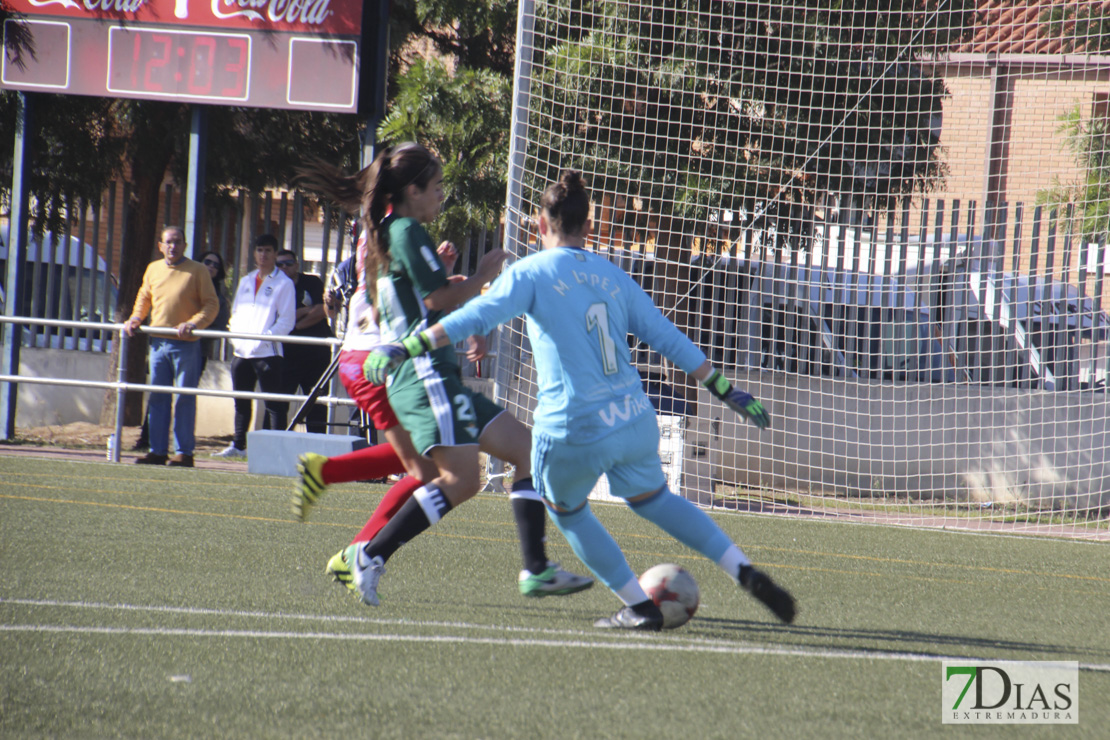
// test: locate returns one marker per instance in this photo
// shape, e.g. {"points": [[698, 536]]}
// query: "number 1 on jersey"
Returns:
{"points": [[597, 317]]}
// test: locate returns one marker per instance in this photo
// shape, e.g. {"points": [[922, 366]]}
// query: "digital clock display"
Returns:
{"points": [[175, 64]]}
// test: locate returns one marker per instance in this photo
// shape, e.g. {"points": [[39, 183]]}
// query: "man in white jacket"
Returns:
{"points": [[264, 303]]}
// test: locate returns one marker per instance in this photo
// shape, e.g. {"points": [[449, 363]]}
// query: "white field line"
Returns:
{"points": [[577, 638]]}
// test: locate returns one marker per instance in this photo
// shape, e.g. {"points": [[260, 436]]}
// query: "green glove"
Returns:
{"points": [[737, 400], [384, 359]]}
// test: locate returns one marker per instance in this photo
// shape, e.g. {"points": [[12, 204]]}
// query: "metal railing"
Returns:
{"points": [[122, 386]]}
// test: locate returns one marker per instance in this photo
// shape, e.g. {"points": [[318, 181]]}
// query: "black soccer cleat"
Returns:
{"points": [[775, 598], [645, 617]]}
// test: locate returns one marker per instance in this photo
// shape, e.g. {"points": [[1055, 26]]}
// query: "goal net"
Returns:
{"points": [[886, 220]]}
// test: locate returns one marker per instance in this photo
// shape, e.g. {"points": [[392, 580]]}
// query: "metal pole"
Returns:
{"points": [[518, 150], [17, 258], [121, 378], [194, 190]]}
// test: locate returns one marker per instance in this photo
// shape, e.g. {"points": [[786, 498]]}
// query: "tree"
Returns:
{"points": [[474, 34], [72, 159], [450, 89], [463, 117], [1079, 27], [1086, 200], [1082, 28]]}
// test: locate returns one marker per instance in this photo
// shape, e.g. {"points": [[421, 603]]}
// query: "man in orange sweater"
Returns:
{"points": [[178, 294]]}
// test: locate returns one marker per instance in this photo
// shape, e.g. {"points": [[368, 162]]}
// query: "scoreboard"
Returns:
{"points": [[293, 54]]}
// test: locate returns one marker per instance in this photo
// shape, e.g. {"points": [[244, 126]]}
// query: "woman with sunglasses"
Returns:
{"points": [[215, 264]]}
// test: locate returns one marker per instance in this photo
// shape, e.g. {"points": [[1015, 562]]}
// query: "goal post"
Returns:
{"points": [[887, 220]]}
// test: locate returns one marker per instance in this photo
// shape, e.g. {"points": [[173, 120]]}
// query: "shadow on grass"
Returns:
{"points": [[894, 641]]}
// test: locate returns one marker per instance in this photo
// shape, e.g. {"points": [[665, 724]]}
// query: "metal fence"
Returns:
{"points": [[71, 276], [122, 386], [937, 303]]}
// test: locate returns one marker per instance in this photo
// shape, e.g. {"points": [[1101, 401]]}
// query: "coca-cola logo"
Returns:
{"points": [[307, 12], [109, 6]]}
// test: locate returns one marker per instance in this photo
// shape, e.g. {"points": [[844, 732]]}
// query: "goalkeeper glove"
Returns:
{"points": [[737, 400], [384, 359]]}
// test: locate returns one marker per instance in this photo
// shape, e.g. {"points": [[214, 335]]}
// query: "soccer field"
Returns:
{"points": [[146, 603]]}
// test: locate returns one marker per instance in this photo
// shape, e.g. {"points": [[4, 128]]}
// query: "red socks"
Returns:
{"points": [[368, 463]]}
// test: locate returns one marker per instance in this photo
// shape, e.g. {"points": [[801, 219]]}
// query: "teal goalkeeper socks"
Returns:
{"points": [[685, 522], [595, 547]]}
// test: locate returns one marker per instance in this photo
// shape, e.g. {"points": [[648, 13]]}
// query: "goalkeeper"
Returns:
{"points": [[592, 415]]}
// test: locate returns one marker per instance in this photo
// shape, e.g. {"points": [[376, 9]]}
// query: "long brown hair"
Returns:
{"points": [[374, 190]]}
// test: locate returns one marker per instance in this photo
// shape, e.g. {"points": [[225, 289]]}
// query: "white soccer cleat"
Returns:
{"points": [[366, 572], [231, 451]]}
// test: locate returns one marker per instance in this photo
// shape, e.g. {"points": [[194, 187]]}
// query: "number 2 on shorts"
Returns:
{"points": [[464, 408]]}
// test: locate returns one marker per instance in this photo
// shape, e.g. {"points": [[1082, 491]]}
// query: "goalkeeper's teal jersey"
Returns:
{"points": [[580, 309]]}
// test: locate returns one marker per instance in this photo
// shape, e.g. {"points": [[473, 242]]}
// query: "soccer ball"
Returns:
{"points": [[674, 591]]}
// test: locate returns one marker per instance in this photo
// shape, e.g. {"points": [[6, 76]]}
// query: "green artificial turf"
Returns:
{"points": [[149, 603]]}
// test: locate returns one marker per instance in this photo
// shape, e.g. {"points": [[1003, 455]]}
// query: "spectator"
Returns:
{"points": [[263, 304], [215, 264], [342, 284], [176, 293], [305, 363]]}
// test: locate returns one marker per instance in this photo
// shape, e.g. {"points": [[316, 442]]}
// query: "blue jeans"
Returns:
{"points": [[173, 362]]}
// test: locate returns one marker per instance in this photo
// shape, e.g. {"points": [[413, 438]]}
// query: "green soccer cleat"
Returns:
{"points": [[552, 582], [339, 570], [310, 485]]}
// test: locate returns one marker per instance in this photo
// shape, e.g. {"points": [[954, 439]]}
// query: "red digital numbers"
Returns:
{"points": [[238, 69], [178, 63]]}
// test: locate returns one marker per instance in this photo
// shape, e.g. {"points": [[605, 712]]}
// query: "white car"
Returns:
{"points": [[62, 281]]}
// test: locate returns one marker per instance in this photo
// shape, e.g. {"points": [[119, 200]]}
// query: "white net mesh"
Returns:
{"points": [[888, 223]]}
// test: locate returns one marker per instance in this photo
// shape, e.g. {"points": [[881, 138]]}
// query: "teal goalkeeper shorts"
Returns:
{"points": [[565, 473]]}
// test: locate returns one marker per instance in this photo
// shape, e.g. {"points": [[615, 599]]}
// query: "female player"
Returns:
{"points": [[448, 423], [592, 415], [397, 455]]}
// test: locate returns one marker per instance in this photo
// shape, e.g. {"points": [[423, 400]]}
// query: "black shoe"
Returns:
{"points": [[180, 461], [151, 459], [645, 617], [760, 585]]}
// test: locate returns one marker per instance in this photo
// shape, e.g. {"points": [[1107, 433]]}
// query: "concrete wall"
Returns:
{"points": [[44, 405], [932, 441]]}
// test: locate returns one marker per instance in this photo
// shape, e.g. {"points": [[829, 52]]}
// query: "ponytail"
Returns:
{"points": [[374, 191], [393, 170]]}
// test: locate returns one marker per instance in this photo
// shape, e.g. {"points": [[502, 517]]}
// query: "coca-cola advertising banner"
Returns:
{"points": [[295, 54], [340, 17]]}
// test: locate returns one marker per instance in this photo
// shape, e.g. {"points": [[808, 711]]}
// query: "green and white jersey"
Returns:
{"points": [[415, 272]]}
